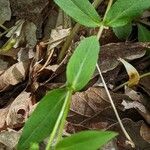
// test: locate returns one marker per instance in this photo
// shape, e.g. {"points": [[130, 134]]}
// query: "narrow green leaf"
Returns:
{"points": [[82, 64], [123, 32], [81, 11], [43, 119], [87, 140], [124, 11], [143, 34]]}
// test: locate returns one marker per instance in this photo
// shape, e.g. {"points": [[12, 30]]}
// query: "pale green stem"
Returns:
{"points": [[145, 75], [126, 83], [96, 3], [68, 42], [60, 122], [3, 27], [105, 86]]}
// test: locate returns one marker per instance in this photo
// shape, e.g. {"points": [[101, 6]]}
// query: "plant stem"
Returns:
{"points": [[3, 27], [126, 83], [105, 86], [68, 42], [60, 122], [66, 46], [145, 75], [114, 108], [96, 3], [69, 39]]}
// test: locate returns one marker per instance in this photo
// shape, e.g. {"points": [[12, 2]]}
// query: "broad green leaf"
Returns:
{"points": [[43, 119], [82, 64], [123, 32], [87, 140], [81, 11], [124, 11], [143, 34]]}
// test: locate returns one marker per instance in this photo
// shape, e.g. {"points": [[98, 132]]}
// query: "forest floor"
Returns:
{"points": [[32, 34]]}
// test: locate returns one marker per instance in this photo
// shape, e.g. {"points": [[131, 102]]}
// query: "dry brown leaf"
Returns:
{"points": [[30, 10], [134, 104], [9, 138], [145, 132], [94, 100], [19, 109], [89, 102], [57, 36], [25, 54], [133, 94], [14, 75], [133, 129], [133, 74], [3, 66], [138, 102], [145, 84], [5, 11], [3, 115], [110, 54]]}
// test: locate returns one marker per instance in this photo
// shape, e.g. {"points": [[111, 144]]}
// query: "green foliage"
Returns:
{"points": [[80, 68], [81, 10], [124, 11], [123, 32], [143, 34], [34, 146], [82, 64], [87, 140], [43, 119], [49, 116]]}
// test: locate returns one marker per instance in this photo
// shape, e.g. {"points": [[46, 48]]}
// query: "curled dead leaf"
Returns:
{"points": [[110, 53], [19, 109], [134, 104], [133, 129], [89, 102], [57, 36], [3, 115], [9, 138], [5, 11], [145, 132], [133, 74], [14, 75], [3, 66]]}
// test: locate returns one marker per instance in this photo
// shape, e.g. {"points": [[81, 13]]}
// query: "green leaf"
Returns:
{"points": [[81, 11], [34, 146], [124, 11], [43, 119], [87, 140], [123, 32], [82, 64], [143, 34]]}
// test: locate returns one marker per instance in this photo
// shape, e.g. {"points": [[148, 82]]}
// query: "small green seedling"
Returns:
{"points": [[49, 116]]}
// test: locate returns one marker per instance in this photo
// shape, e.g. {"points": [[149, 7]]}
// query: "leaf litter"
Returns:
{"points": [[28, 61]]}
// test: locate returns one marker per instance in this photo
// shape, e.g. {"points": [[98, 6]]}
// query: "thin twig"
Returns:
{"points": [[115, 110], [105, 86], [65, 48], [68, 42], [3, 27], [126, 83]]}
